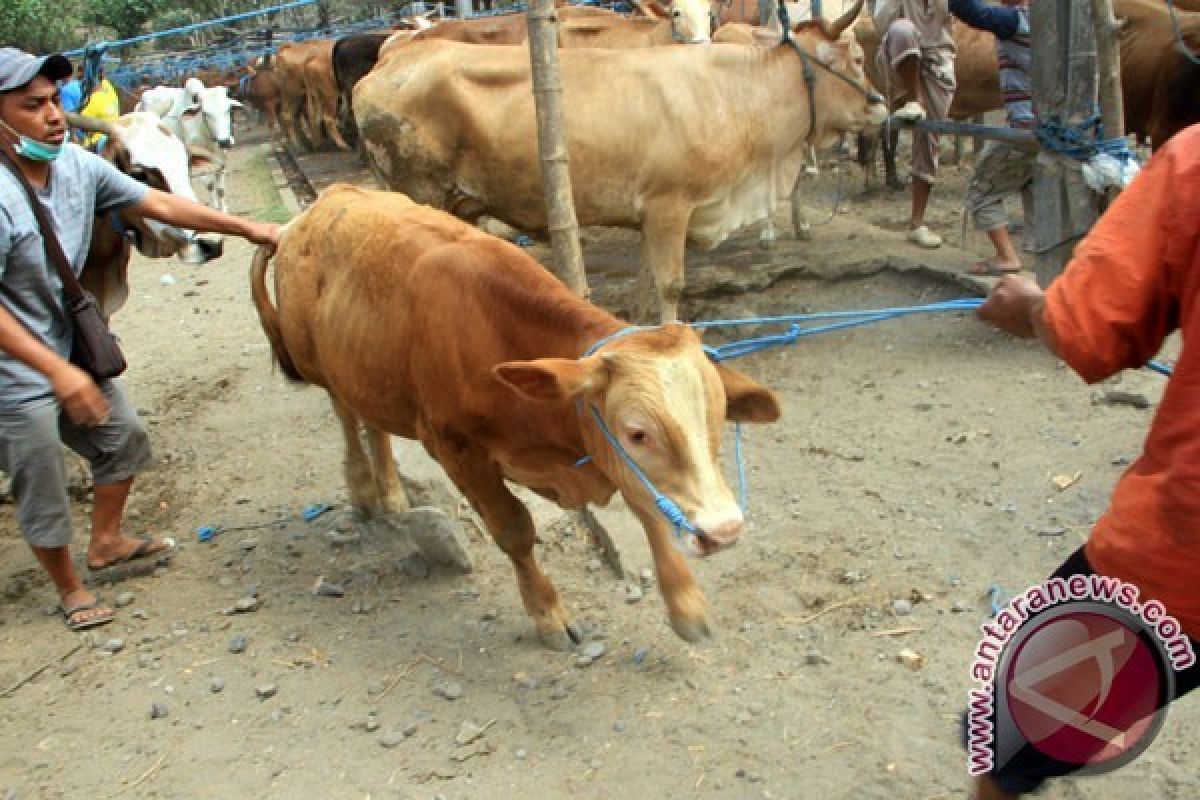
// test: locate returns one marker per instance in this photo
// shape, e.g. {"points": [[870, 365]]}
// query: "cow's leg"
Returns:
{"points": [[334, 130], [686, 607], [219, 182], [799, 219], [890, 141], [664, 232], [388, 488], [359, 480], [511, 526]]}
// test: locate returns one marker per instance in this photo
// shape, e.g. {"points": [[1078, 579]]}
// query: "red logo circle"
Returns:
{"points": [[1085, 688]]}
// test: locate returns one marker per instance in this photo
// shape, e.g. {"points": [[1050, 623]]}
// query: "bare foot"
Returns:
{"points": [[124, 549]]}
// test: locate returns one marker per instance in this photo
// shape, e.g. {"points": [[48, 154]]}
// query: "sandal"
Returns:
{"points": [[988, 267], [76, 619], [141, 552]]}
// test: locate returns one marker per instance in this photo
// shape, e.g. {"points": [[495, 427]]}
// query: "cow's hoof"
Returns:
{"points": [[561, 639], [691, 630], [804, 234]]}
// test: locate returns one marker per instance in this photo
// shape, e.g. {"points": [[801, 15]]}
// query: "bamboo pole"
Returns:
{"points": [[552, 146], [1108, 64], [1064, 87]]}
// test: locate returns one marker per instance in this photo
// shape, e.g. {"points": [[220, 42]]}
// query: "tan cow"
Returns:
{"points": [[372, 290], [683, 143], [288, 64]]}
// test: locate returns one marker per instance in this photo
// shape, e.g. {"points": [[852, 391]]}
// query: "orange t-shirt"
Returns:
{"points": [[1132, 281]]}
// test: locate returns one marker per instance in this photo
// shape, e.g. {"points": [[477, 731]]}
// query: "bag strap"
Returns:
{"points": [[54, 251]]}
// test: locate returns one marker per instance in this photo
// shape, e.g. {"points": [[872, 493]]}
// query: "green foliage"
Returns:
{"points": [[39, 26], [126, 17]]}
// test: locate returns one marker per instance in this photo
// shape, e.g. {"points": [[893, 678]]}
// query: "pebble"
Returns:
{"points": [[113, 646], [594, 565], [158, 711], [911, 659], [451, 690], [248, 544], [647, 576], [410, 729], [392, 739], [633, 594], [237, 644], [124, 599], [145, 660], [619, 726], [375, 687], [468, 732], [68, 668], [639, 656], [960, 607], [216, 685], [590, 652], [324, 588], [521, 754], [140, 613], [244, 605], [490, 615], [558, 693], [902, 608], [814, 657], [372, 723], [756, 708], [265, 691]]}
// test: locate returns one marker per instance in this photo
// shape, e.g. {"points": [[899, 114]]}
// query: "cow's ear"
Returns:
{"points": [[554, 378], [198, 157], [746, 400]]}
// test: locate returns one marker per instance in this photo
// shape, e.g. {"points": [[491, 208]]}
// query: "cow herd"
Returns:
{"points": [[686, 123]]}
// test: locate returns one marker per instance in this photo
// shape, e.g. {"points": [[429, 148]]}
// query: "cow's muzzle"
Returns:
{"points": [[713, 538]]}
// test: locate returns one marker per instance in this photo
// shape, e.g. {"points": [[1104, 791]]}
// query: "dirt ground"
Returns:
{"points": [[913, 463]]}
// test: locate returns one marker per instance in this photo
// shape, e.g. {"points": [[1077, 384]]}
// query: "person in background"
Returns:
{"points": [[71, 92], [1002, 169], [916, 57], [1134, 280], [45, 400], [103, 103]]}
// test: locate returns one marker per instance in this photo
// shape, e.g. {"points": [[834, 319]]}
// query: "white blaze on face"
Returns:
{"points": [[691, 20], [217, 109]]}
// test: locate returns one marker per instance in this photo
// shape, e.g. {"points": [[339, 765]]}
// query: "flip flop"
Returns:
{"points": [[142, 551], [103, 618], [987, 267]]}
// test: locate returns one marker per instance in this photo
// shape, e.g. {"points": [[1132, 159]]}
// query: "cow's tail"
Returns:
{"points": [[268, 315]]}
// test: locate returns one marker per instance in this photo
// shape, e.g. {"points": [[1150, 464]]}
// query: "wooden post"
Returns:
{"points": [[463, 9], [1108, 63], [552, 147], [1064, 88]]}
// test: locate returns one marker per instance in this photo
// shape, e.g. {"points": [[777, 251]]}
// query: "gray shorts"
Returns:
{"points": [[937, 81], [1000, 170], [31, 454]]}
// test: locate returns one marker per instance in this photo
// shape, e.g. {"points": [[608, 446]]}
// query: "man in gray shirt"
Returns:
{"points": [[44, 399]]}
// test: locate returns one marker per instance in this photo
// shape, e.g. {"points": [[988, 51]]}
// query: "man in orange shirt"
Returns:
{"points": [[1133, 281]]}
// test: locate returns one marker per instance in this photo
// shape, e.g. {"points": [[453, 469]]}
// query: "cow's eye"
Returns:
{"points": [[639, 438], [140, 175]]}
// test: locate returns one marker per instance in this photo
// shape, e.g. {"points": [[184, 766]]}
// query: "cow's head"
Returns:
{"points": [[666, 403], [142, 147], [213, 108], [691, 20], [844, 98]]}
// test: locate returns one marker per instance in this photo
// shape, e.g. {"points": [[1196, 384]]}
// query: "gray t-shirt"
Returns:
{"points": [[81, 185]]}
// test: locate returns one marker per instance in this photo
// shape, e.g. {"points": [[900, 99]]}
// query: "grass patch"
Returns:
{"points": [[267, 205]]}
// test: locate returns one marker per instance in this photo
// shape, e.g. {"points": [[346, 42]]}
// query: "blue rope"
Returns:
{"points": [[1160, 368], [666, 506], [1080, 142]]}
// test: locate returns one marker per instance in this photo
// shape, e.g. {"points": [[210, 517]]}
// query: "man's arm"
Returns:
{"points": [[85, 404], [1003, 21], [184, 213]]}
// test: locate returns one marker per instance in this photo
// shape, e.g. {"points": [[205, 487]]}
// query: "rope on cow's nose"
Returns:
{"points": [[1179, 40]]}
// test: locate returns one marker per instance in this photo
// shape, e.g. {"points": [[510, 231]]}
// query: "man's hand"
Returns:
{"points": [[264, 233], [85, 404], [1015, 306]]}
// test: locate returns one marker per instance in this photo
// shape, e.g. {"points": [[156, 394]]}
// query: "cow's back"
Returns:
{"points": [[371, 284], [443, 118]]}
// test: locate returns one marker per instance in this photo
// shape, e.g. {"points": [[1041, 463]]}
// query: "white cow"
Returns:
{"points": [[201, 117]]}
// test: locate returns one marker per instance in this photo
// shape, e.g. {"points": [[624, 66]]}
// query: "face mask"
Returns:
{"points": [[32, 148]]}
